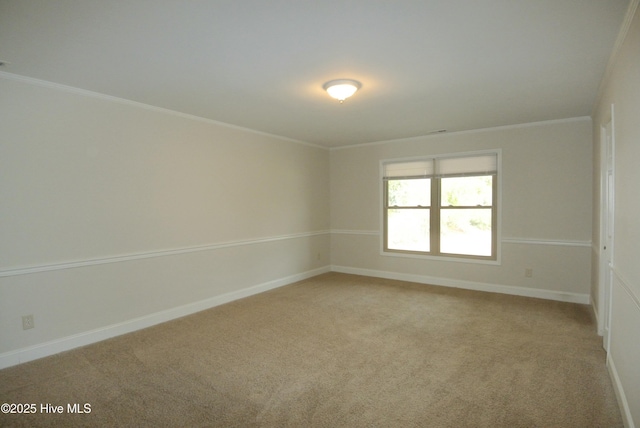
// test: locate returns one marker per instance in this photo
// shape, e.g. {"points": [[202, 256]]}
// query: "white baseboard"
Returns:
{"points": [[627, 419], [470, 285], [31, 353]]}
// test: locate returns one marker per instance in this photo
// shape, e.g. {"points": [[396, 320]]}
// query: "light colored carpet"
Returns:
{"points": [[337, 351]]}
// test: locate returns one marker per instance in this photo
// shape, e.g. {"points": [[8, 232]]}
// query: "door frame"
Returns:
{"points": [[607, 210]]}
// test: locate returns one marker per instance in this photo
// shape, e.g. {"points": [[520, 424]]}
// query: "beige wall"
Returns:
{"points": [[545, 209], [113, 212], [621, 89]]}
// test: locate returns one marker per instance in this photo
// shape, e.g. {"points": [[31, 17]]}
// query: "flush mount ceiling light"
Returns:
{"points": [[341, 89]]}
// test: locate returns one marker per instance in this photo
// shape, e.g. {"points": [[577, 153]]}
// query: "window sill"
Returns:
{"points": [[441, 258]]}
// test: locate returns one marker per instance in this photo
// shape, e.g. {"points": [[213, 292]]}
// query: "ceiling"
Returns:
{"points": [[424, 65]]}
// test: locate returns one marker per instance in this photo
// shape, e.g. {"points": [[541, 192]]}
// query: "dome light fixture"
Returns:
{"points": [[341, 89]]}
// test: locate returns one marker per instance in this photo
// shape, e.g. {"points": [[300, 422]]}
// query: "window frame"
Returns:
{"points": [[434, 247]]}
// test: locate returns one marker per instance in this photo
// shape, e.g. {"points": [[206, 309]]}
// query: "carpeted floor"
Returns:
{"points": [[336, 351]]}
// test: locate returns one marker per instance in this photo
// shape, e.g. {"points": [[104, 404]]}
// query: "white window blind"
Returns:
{"points": [[413, 169], [467, 165], [485, 164]]}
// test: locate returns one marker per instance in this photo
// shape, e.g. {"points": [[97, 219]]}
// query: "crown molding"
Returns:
{"points": [[622, 35], [470, 131], [136, 104]]}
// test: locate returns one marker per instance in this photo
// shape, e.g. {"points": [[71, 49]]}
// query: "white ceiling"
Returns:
{"points": [[424, 65]]}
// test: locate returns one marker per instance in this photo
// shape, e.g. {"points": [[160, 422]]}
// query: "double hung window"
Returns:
{"points": [[442, 206]]}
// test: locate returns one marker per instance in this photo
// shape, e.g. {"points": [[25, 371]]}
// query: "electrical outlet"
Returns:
{"points": [[528, 272], [27, 322]]}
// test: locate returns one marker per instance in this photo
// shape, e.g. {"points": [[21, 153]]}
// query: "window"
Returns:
{"points": [[442, 206]]}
